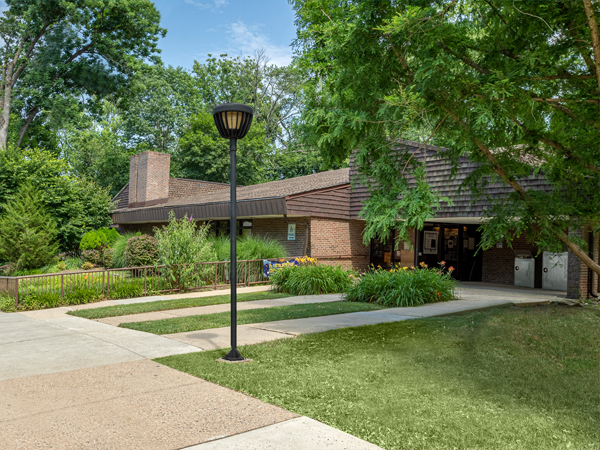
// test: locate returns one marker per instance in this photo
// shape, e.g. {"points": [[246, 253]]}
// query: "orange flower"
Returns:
{"points": [[443, 263], [450, 269]]}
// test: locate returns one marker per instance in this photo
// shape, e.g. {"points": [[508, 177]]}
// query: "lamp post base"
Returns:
{"points": [[233, 356]]}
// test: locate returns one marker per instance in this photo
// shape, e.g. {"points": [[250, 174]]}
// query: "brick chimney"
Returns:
{"points": [[148, 179]]}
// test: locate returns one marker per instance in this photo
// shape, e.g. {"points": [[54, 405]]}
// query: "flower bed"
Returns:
{"points": [[401, 286], [310, 278]]}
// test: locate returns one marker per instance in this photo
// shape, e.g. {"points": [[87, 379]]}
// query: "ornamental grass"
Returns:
{"points": [[310, 278], [401, 286]]}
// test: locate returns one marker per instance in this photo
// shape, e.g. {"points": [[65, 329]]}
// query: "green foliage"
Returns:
{"points": [[66, 54], [204, 154], [311, 279], [87, 265], [141, 251], [249, 247], [118, 249], [77, 205], [27, 231], [510, 86], [404, 287], [96, 239], [181, 245]]}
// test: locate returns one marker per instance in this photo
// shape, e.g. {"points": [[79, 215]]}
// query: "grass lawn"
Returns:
{"points": [[206, 321], [163, 305], [506, 378]]}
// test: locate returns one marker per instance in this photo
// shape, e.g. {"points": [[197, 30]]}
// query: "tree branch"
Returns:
{"points": [[25, 126], [589, 12]]}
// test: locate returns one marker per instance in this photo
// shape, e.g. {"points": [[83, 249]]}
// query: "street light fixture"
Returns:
{"points": [[233, 121]]}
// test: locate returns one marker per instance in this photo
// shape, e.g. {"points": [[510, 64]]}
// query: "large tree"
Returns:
{"points": [[57, 54], [513, 86]]}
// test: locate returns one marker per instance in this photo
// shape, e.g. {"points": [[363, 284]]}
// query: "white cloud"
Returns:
{"points": [[246, 40], [214, 6]]}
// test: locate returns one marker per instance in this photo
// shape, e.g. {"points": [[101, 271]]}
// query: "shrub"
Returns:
{"points": [[95, 245], [87, 265], [27, 231], [61, 266], [118, 250], [102, 237], [250, 247], [404, 287], [311, 279], [181, 245], [141, 251]]}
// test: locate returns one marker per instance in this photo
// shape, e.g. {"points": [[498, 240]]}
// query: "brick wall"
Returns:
{"points": [[339, 242], [148, 178], [578, 272], [276, 228], [498, 263]]}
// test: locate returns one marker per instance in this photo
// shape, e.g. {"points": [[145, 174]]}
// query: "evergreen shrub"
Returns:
{"points": [[401, 286], [118, 250], [27, 231], [141, 251]]}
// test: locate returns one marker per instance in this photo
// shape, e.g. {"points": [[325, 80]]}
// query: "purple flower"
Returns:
{"points": [[191, 217]]}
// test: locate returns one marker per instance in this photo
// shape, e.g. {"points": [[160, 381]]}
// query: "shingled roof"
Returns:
{"points": [[439, 175], [260, 199]]}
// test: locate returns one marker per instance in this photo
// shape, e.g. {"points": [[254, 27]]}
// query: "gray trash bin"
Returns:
{"points": [[524, 269]]}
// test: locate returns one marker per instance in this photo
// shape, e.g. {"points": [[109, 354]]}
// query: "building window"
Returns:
{"points": [[220, 228]]}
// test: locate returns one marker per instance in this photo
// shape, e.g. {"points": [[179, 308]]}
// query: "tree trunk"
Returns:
{"points": [[6, 107]]}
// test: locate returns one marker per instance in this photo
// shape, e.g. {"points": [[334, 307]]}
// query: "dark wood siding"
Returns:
{"points": [[332, 203], [122, 198], [439, 176]]}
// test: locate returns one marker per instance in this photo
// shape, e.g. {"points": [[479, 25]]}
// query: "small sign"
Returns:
{"points": [[291, 232], [406, 246], [270, 265], [430, 238], [498, 244]]}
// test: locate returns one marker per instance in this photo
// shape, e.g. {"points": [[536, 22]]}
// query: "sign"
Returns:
{"points": [[430, 244], [274, 264], [291, 231]]}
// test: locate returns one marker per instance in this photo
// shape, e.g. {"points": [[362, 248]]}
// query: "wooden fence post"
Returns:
{"points": [[17, 293], [145, 277], [62, 286]]}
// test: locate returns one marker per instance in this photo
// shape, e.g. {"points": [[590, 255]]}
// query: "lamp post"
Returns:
{"points": [[233, 121]]}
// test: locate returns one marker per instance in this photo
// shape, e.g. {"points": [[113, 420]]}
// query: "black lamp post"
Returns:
{"points": [[233, 121]]}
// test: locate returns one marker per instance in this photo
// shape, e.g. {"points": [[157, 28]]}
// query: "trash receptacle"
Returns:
{"points": [[554, 272], [524, 268]]}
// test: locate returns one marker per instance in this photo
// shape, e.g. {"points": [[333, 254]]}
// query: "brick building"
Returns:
{"points": [[324, 211]]}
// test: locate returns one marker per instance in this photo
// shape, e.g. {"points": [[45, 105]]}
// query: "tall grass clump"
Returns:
{"points": [[250, 247], [311, 279], [400, 286], [118, 259]]}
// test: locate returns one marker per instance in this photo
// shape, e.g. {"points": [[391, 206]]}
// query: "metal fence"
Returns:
{"points": [[128, 282]]}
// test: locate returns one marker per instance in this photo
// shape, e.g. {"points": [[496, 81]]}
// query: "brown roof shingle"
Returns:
{"points": [[272, 189]]}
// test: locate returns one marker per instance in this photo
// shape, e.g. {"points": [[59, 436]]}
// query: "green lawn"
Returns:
{"points": [[163, 305], [206, 321], [506, 378]]}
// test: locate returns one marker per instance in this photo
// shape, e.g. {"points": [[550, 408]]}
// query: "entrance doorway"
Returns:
{"points": [[453, 243]]}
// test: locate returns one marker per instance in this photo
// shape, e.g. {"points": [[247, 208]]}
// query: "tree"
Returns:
{"points": [[27, 230], [159, 113], [95, 148], [204, 154], [514, 86], [275, 94], [58, 55], [77, 205]]}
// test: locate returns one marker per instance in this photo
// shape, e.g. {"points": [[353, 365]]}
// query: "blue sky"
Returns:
{"points": [[236, 27]]}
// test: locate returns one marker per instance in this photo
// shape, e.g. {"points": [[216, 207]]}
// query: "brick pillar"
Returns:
{"points": [[148, 179]]}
